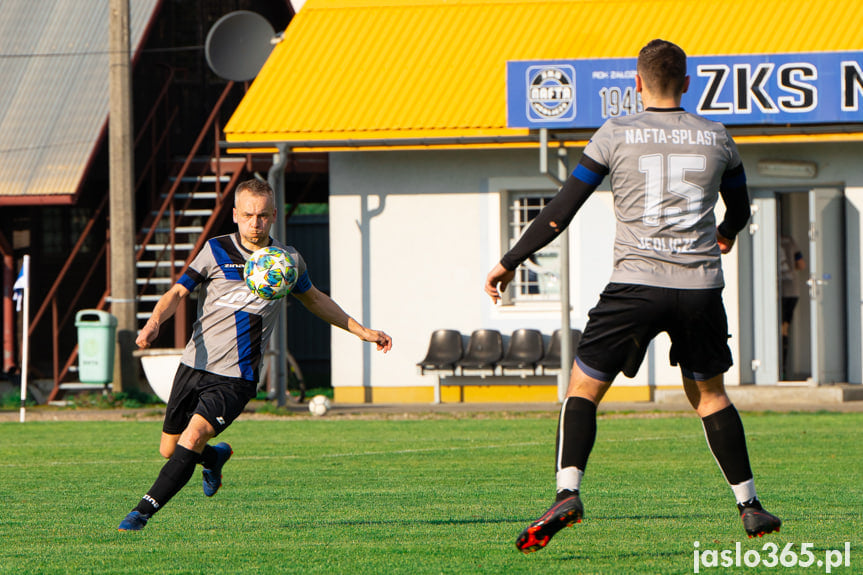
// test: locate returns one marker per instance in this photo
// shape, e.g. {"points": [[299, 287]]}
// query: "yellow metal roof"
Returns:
{"points": [[386, 73]]}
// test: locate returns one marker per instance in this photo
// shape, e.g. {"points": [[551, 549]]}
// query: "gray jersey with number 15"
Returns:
{"points": [[665, 168]]}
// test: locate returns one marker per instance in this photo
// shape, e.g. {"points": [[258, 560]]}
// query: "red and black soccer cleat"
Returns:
{"points": [[756, 520], [564, 513]]}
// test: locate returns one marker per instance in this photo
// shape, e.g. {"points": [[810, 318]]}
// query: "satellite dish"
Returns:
{"points": [[238, 44]]}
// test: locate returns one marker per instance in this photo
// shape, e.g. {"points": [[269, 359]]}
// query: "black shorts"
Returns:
{"points": [[628, 317], [216, 398]]}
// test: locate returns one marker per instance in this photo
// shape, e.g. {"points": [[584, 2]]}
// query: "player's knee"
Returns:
{"points": [[582, 385], [166, 451], [197, 435], [196, 441]]}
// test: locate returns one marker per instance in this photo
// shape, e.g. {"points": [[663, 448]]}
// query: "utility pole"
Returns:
{"points": [[122, 195], [565, 312], [279, 343]]}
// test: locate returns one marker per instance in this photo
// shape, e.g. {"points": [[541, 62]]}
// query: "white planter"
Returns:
{"points": [[160, 365]]}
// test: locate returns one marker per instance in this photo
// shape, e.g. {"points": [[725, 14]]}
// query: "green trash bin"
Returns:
{"points": [[96, 336]]}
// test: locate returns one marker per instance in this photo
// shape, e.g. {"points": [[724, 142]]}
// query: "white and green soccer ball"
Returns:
{"points": [[270, 273], [319, 405]]}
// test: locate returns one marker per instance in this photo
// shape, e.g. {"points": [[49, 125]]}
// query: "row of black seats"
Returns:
{"points": [[485, 352]]}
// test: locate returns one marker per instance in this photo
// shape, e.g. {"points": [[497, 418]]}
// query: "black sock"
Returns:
{"points": [[727, 441], [576, 433], [210, 457], [173, 476]]}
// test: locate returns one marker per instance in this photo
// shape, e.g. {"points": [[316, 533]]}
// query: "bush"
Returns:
{"points": [[12, 400], [127, 399]]}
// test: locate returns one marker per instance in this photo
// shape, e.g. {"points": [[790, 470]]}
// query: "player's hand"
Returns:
{"points": [[379, 338], [147, 334], [725, 244], [498, 276]]}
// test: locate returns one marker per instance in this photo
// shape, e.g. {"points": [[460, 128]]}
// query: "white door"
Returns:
{"points": [[766, 323], [827, 285]]}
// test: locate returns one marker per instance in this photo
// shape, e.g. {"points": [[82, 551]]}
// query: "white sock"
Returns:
{"points": [[745, 491], [569, 478]]}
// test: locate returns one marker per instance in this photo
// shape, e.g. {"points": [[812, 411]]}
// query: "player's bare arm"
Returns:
{"points": [[328, 310], [165, 308]]}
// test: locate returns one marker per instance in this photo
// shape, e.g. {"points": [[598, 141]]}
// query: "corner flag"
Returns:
{"points": [[22, 282], [21, 294]]}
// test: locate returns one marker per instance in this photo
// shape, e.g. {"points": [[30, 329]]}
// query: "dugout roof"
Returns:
{"points": [[416, 73], [54, 96]]}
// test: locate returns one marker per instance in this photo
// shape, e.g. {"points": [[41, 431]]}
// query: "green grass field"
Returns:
{"points": [[425, 495]]}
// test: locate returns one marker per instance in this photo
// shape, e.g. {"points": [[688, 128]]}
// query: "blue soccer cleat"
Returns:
{"points": [[213, 477], [134, 521]]}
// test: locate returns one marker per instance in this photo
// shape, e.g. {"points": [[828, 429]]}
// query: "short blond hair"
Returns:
{"points": [[255, 187]]}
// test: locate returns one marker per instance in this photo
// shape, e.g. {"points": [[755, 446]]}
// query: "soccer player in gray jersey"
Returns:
{"points": [[218, 372], [667, 168]]}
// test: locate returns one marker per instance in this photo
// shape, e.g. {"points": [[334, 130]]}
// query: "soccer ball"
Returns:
{"points": [[319, 405], [270, 273]]}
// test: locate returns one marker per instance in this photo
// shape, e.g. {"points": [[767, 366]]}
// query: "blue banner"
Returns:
{"points": [[772, 89]]}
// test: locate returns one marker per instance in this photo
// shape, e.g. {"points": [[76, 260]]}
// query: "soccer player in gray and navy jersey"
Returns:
{"points": [[668, 168], [218, 372]]}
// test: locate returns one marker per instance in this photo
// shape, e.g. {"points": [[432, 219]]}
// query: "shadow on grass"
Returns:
{"points": [[411, 521], [616, 556], [649, 517], [472, 521]]}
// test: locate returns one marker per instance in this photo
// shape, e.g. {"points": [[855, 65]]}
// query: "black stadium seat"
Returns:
{"points": [[484, 350], [525, 350], [445, 349], [551, 361]]}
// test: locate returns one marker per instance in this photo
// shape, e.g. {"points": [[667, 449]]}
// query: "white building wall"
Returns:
{"points": [[428, 217], [413, 235]]}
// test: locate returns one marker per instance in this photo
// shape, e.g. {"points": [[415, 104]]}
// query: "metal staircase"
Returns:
{"points": [[192, 203], [176, 233]]}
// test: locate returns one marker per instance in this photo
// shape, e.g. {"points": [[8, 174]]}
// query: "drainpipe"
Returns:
{"points": [[565, 330], [8, 314]]}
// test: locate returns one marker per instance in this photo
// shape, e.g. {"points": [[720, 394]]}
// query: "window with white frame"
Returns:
{"points": [[538, 278]]}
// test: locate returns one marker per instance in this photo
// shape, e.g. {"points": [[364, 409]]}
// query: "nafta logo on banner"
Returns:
{"points": [[551, 93]]}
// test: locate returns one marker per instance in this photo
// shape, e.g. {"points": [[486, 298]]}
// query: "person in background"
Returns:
{"points": [[790, 262]]}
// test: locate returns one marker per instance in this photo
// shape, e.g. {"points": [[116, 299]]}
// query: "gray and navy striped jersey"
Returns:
{"points": [[666, 167], [233, 325]]}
